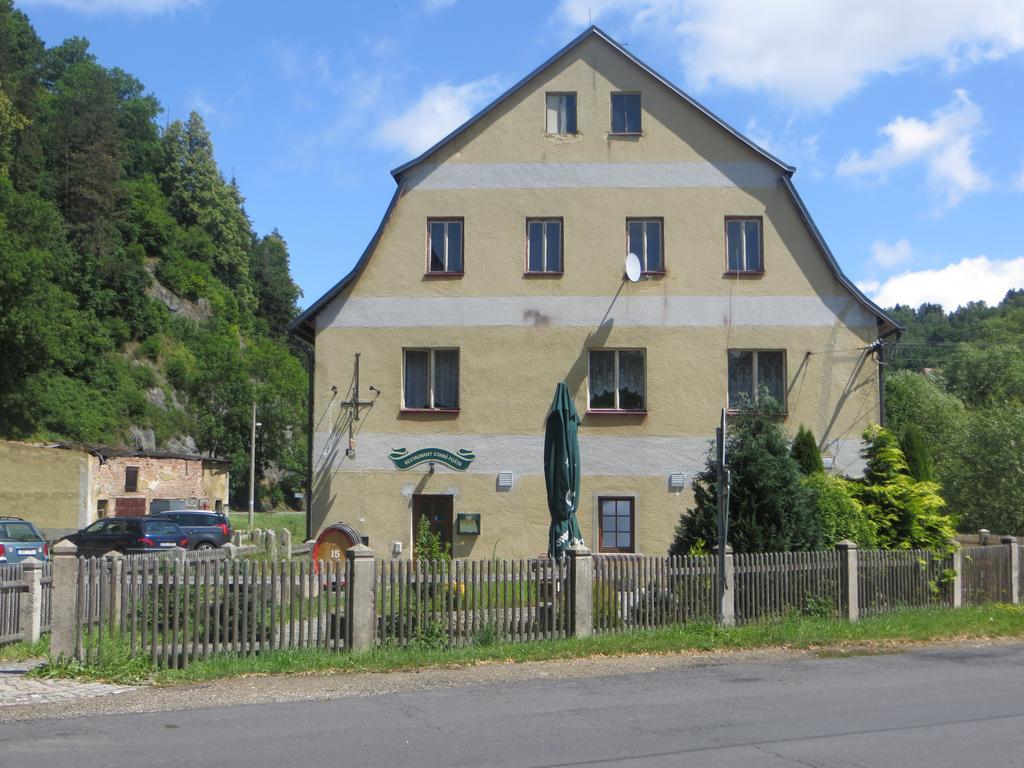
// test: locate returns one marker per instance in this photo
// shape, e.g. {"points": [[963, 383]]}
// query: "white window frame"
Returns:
{"points": [[431, 351], [446, 221], [617, 408], [546, 222], [756, 383], [742, 220], [562, 110], [645, 221]]}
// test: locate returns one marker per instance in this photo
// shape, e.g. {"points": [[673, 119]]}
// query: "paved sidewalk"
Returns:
{"points": [[15, 688]]}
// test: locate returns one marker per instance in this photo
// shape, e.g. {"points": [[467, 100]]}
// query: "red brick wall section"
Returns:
{"points": [[159, 478]]}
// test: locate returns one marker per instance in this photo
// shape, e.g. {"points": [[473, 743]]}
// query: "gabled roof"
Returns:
{"points": [[600, 35], [302, 326]]}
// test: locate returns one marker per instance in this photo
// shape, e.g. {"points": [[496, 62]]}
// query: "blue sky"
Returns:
{"points": [[904, 117]]}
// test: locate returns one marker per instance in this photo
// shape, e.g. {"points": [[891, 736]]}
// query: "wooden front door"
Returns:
{"points": [[438, 511], [129, 506]]}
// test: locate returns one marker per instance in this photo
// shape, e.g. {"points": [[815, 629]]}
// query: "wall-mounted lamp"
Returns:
{"points": [[504, 482], [677, 481]]}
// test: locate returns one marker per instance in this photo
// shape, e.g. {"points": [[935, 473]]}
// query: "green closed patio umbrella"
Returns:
{"points": [[562, 472]]}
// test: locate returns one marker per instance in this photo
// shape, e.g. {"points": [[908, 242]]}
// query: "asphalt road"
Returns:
{"points": [[959, 707]]}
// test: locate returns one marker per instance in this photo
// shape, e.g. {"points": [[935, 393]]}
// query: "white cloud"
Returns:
{"points": [[441, 109], [801, 151], [945, 146], [140, 7], [952, 285], [814, 53], [889, 255]]}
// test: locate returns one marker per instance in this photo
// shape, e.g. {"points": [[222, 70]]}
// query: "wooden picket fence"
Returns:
{"points": [[175, 612], [889, 580], [632, 592], [777, 583], [986, 575], [438, 602], [12, 588]]}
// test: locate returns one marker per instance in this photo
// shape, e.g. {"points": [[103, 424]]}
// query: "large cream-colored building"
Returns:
{"points": [[498, 271]]}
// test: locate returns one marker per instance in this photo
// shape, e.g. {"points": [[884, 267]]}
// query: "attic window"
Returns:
{"points": [[626, 113], [561, 113], [131, 479]]}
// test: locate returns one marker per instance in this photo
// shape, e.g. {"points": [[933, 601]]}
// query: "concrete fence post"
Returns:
{"points": [[270, 544], [178, 554], [65, 599], [362, 613], [230, 551], [1014, 590], [30, 619], [726, 598], [849, 587], [581, 591], [958, 575], [286, 544]]}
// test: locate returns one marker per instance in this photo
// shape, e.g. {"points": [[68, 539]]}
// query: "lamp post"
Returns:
{"points": [[252, 466]]}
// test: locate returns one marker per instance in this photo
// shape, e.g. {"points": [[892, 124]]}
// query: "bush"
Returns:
{"points": [[805, 451], [841, 515]]}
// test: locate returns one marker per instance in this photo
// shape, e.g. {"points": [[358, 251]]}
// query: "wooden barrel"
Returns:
{"points": [[332, 543]]}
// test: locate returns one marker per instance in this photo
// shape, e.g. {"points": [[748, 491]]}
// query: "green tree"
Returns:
{"points": [[277, 295], [770, 510], [917, 454], [906, 513], [805, 452], [841, 516]]}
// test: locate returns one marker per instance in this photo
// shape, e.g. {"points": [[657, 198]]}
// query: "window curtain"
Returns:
{"points": [[741, 378], [602, 379], [416, 393], [446, 378], [734, 244], [771, 376], [631, 380]]}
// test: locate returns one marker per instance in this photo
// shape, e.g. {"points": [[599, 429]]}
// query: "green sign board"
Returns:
{"points": [[404, 459]]}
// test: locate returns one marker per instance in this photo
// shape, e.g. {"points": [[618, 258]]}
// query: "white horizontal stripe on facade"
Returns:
{"points": [[676, 175], [523, 455], [592, 311]]}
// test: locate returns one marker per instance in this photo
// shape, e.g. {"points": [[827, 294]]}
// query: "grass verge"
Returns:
{"points": [[293, 521], [828, 637], [22, 651]]}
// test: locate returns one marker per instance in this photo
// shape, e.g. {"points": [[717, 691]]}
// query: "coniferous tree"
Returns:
{"points": [[917, 454], [805, 451]]}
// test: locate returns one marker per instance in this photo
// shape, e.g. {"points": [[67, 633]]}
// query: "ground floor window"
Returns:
{"points": [[754, 371], [616, 523]]}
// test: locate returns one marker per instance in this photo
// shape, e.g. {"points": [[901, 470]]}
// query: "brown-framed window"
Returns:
{"points": [[744, 244], [626, 113], [560, 112], [645, 238], [616, 524], [430, 379], [131, 479], [544, 247], [445, 246], [753, 372], [617, 380]]}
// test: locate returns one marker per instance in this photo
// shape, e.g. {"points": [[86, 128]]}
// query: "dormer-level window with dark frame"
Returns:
{"points": [[543, 246], [444, 246], [430, 380], [561, 113], [744, 246], [645, 240], [626, 113], [131, 479]]}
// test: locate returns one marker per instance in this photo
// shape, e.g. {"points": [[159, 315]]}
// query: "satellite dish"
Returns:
{"points": [[632, 267]]}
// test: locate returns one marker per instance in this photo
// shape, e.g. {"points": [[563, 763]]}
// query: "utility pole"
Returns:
{"points": [[252, 466], [723, 477]]}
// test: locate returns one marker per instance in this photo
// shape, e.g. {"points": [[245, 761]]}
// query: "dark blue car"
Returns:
{"points": [[129, 535]]}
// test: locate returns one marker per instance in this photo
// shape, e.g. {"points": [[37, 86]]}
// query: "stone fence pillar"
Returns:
{"points": [[362, 612], [270, 544], [849, 586], [581, 591], [30, 619], [65, 599], [1014, 590], [726, 598], [286, 544]]}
